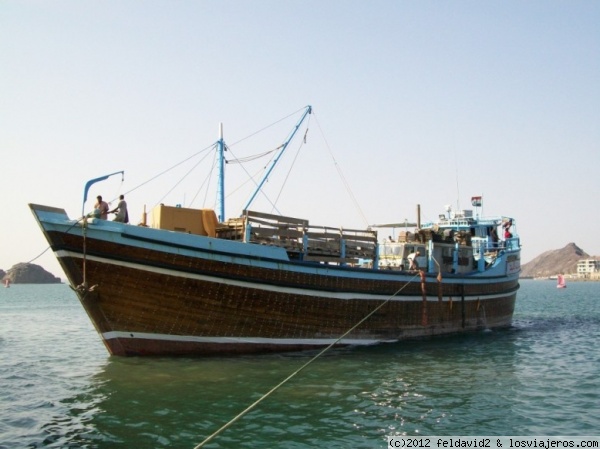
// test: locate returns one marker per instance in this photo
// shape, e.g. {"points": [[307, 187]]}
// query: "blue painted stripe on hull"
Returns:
{"points": [[225, 251]]}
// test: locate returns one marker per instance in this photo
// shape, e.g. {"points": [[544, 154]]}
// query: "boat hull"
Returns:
{"points": [[193, 295]]}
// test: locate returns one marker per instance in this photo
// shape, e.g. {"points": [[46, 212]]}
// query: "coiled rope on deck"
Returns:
{"points": [[284, 381]]}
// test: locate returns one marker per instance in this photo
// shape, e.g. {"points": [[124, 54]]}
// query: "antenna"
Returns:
{"points": [[457, 186], [457, 191]]}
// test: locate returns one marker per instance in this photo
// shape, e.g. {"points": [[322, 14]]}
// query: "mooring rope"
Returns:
{"points": [[284, 381], [39, 255], [48, 247]]}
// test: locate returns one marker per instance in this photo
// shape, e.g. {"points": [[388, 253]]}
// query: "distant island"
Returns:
{"points": [[558, 261], [28, 273]]}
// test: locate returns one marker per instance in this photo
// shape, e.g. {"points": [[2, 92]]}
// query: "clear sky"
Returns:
{"points": [[419, 102]]}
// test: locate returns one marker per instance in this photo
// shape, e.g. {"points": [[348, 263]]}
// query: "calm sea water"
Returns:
{"points": [[60, 389]]}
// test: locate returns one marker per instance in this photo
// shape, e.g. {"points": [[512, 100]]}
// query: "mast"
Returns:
{"points": [[283, 148], [221, 187]]}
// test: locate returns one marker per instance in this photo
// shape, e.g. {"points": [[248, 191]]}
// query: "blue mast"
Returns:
{"points": [[221, 187], [283, 147]]}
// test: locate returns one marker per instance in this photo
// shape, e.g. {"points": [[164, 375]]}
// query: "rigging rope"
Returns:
{"points": [[253, 178], [284, 381], [170, 168], [119, 189], [254, 157], [290, 170], [209, 148], [268, 126], [343, 178], [182, 178], [208, 180], [250, 179], [240, 161]]}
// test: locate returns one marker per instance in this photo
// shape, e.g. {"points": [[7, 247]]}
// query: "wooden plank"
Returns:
{"points": [[276, 233], [360, 239], [322, 246], [276, 218], [354, 244], [274, 225], [320, 235], [359, 232], [325, 229]]}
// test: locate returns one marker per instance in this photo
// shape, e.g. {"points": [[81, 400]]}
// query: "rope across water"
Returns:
{"points": [[284, 381]]}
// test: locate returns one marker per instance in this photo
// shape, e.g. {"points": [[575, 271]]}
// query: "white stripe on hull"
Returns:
{"points": [[240, 340], [268, 287]]}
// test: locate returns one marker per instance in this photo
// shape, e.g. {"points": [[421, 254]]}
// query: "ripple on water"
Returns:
{"points": [[59, 388]]}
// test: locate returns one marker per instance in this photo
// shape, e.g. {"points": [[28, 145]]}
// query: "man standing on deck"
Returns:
{"points": [[121, 210], [412, 260]]}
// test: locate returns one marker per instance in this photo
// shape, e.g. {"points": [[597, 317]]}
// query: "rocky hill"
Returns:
{"points": [[28, 273], [556, 262]]}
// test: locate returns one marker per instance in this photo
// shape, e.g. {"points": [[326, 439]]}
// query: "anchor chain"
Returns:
{"points": [[83, 288]]}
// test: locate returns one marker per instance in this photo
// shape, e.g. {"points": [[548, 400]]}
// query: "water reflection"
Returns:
{"points": [[358, 395]]}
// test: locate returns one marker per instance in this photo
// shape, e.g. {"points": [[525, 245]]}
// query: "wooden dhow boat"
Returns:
{"points": [[193, 283]]}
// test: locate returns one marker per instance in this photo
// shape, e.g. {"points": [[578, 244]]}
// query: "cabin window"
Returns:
{"points": [[447, 255]]}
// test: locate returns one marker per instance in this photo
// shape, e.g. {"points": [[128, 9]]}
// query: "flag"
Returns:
{"points": [[476, 201]]}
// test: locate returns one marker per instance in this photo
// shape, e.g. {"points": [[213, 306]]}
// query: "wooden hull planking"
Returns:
{"points": [[160, 298]]}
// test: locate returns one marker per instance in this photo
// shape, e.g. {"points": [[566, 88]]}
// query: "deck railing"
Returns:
{"points": [[306, 242]]}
